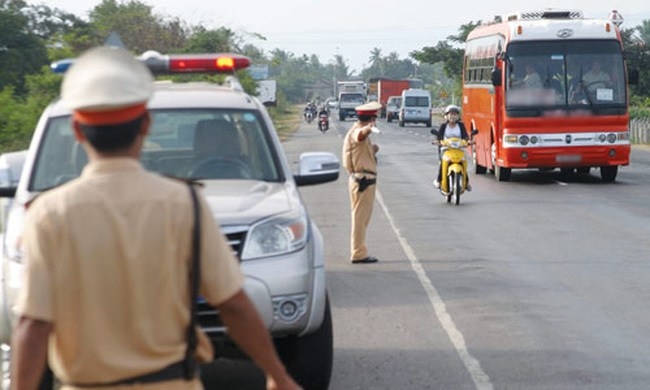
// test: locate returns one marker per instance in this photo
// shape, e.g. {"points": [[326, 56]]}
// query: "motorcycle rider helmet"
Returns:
{"points": [[452, 108]]}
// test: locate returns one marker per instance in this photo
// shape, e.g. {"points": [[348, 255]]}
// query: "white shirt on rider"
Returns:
{"points": [[452, 130]]}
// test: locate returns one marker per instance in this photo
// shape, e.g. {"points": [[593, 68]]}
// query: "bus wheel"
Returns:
{"points": [[502, 174], [478, 169], [608, 173], [493, 158]]}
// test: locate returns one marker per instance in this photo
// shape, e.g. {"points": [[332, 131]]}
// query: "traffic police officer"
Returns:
{"points": [[107, 255], [360, 162]]}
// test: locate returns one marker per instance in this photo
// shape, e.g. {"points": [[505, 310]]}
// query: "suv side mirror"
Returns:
{"points": [[11, 167], [317, 168]]}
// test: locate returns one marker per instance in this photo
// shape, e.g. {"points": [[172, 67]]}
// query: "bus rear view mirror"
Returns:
{"points": [[496, 77]]}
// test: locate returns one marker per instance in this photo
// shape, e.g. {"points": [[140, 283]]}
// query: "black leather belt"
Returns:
{"points": [[172, 372]]}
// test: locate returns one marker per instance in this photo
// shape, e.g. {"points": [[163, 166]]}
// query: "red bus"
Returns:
{"points": [[533, 90]]}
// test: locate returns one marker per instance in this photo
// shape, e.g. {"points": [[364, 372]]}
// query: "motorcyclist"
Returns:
{"points": [[309, 108], [324, 111], [451, 128]]}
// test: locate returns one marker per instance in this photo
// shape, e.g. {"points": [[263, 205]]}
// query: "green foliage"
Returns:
{"points": [[451, 57], [639, 107], [18, 115], [137, 26], [21, 51], [390, 66], [221, 40]]}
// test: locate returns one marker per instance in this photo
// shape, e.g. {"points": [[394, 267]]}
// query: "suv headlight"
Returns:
{"points": [[13, 231], [278, 235]]}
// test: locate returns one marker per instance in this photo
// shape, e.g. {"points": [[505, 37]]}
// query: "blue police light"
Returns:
{"points": [[62, 65]]}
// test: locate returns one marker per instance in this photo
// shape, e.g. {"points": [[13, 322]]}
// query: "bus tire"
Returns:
{"points": [[478, 168], [608, 173], [502, 174]]}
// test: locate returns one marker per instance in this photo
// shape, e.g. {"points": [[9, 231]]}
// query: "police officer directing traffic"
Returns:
{"points": [[107, 255], [360, 161]]}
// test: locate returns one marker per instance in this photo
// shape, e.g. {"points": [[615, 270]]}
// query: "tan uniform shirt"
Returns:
{"points": [[358, 156], [107, 262]]}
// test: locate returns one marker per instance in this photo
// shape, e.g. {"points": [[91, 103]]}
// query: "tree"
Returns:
{"points": [[51, 23], [21, 51], [637, 54], [451, 57], [221, 40], [137, 26]]}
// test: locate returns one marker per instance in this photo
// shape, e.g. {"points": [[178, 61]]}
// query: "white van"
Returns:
{"points": [[416, 107]]}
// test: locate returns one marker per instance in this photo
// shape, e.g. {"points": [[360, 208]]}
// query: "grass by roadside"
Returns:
{"points": [[286, 119]]}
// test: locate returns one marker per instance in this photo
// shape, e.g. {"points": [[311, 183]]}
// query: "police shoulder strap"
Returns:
{"points": [[191, 365]]}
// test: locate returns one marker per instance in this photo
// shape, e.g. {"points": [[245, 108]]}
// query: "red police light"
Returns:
{"points": [[207, 63]]}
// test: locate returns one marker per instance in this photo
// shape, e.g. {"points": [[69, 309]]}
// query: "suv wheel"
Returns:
{"points": [[309, 358]]}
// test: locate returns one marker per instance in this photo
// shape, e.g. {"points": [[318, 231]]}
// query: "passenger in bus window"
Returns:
{"points": [[531, 79], [596, 78]]}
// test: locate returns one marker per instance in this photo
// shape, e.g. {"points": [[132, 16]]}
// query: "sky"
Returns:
{"points": [[352, 28]]}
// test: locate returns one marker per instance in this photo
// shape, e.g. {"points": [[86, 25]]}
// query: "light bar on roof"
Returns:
{"points": [[179, 63], [195, 63]]}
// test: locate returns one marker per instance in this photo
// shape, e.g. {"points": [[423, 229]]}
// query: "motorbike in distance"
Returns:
{"points": [[453, 161], [323, 123], [309, 116]]}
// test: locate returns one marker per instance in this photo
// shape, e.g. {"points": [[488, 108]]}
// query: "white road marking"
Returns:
{"points": [[473, 366]]}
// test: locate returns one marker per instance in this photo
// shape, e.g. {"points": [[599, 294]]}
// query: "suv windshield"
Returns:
{"points": [[187, 143], [567, 74]]}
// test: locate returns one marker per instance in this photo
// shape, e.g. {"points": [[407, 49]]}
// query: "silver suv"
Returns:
{"points": [[225, 139]]}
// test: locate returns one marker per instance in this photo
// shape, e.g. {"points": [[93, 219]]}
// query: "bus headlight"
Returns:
{"points": [[611, 138], [524, 140], [534, 139], [510, 139]]}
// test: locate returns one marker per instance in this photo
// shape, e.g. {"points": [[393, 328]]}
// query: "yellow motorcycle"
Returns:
{"points": [[453, 160]]}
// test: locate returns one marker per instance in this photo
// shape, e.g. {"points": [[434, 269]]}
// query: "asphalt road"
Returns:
{"points": [[538, 283]]}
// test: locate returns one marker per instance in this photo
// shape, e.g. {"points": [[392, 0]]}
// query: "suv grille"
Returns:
{"points": [[207, 316], [236, 241]]}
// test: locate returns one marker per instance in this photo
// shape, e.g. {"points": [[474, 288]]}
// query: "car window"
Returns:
{"points": [[416, 101], [183, 143]]}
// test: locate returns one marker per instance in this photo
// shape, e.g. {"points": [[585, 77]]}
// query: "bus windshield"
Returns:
{"points": [[551, 75]]}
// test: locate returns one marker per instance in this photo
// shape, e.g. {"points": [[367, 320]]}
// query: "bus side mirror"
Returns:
{"points": [[496, 77], [633, 77]]}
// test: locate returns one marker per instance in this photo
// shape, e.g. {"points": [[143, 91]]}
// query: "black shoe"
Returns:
{"points": [[368, 259], [468, 188]]}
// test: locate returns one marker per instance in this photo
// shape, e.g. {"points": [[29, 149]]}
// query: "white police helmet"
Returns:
{"points": [[106, 78], [452, 108]]}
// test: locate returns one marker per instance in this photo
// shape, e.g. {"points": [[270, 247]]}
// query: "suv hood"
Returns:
{"points": [[243, 202]]}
